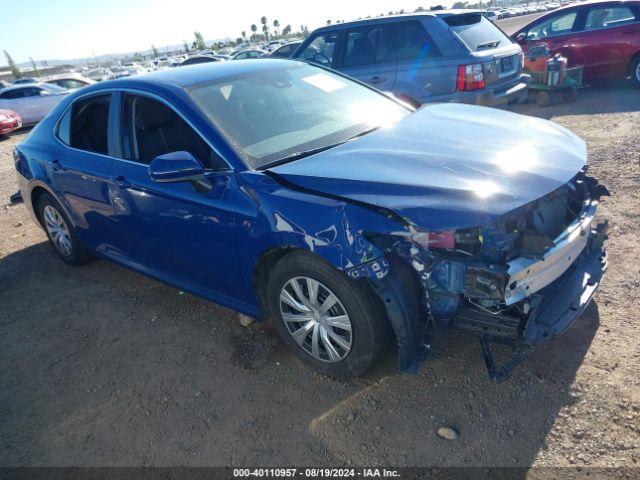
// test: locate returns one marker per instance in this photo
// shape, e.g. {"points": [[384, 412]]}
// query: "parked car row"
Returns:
{"points": [[526, 9]]}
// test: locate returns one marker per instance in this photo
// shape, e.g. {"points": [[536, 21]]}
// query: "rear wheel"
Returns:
{"points": [[331, 322], [635, 71], [60, 231]]}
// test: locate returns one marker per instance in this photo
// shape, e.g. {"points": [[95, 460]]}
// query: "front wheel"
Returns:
{"points": [[60, 231], [333, 323]]}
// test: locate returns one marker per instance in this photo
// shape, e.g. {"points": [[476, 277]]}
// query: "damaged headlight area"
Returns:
{"points": [[519, 280]]}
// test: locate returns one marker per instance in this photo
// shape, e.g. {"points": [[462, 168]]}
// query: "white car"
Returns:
{"points": [[32, 101], [492, 15], [70, 82]]}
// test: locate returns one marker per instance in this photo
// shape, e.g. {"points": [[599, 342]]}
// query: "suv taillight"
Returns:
{"points": [[470, 77]]}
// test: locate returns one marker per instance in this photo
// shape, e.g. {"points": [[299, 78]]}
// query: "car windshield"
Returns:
{"points": [[275, 115]]}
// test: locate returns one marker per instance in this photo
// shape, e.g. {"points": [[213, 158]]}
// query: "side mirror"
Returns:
{"points": [[179, 167]]}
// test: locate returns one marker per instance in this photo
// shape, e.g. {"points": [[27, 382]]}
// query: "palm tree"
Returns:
{"points": [[244, 35], [265, 27], [328, 22], [286, 31], [276, 25]]}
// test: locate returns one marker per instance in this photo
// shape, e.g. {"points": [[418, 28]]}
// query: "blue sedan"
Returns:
{"points": [[291, 193]]}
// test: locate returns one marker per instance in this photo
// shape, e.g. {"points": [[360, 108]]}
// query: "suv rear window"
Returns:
{"points": [[476, 32]]}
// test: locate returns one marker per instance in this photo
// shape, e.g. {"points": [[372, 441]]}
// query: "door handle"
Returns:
{"points": [[55, 165], [377, 79], [120, 182]]}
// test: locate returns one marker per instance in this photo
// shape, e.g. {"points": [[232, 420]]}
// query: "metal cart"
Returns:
{"points": [[568, 88]]}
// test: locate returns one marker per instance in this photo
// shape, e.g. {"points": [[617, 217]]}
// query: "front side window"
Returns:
{"points": [[87, 125], [608, 17], [286, 111], [321, 49], [365, 46], [154, 129], [556, 25]]}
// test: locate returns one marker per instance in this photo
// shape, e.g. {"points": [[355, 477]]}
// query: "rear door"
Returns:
{"points": [[368, 55], [80, 164], [605, 39]]}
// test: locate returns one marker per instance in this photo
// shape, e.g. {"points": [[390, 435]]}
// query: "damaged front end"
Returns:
{"points": [[520, 281]]}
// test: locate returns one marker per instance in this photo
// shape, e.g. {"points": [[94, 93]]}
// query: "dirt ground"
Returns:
{"points": [[102, 366]]}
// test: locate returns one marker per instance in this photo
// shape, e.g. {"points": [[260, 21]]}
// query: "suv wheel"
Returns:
{"points": [[331, 322], [60, 231]]}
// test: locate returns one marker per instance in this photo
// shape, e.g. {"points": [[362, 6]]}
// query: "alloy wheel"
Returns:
{"points": [[316, 319], [58, 230]]}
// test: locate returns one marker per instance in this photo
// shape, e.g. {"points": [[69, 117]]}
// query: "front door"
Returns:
{"points": [[169, 230]]}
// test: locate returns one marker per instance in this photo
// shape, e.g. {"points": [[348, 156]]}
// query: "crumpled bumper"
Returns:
{"points": [[562, 302]]}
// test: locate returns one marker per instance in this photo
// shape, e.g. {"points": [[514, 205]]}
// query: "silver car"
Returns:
{"points": [[32, 101], [439, 56]]}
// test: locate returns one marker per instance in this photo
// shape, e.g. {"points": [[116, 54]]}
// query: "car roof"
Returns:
{"points": [[635, 3], [194, 74], [402, 16]]}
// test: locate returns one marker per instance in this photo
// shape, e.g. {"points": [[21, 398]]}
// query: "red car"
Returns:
{"points": [[9, 121], [601, 36]]}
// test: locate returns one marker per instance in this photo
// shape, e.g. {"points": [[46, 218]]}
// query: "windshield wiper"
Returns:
{"points": [[299, 155], [488, 45], [313, 151]]}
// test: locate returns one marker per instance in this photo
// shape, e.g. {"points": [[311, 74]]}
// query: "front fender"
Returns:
{"points": [[333, 229]]}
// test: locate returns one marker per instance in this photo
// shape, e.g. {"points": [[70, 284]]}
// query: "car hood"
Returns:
{"points": [[446, 165]]}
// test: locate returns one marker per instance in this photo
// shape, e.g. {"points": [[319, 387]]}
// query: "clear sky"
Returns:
{"points": [[67, 29]]}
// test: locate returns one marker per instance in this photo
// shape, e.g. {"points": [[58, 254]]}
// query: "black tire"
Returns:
{"points": [[77, 254], [570, 95], [634, 70], [369, 324], [542, 99]]}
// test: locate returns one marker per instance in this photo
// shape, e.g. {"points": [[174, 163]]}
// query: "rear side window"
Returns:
{"points": [[321, 49], [84, 126], [412, 42], [365, 46], [69, 84], [476, 32], [11, 94], [608, 17]]}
